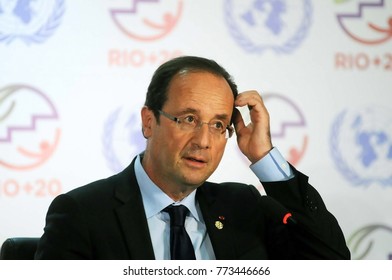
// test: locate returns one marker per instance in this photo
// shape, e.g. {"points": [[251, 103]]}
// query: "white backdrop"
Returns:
{"points": [[73, 77]]}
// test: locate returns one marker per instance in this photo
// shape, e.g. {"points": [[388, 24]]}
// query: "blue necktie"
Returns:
{"points": [[181, 247]]}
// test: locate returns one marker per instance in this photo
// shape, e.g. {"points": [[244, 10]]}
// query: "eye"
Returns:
{"points": [[218, 125], [189, 119]]}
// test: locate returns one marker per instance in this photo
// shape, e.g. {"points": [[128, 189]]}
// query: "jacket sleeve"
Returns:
{"points": [[316, 233], [65, 233]]}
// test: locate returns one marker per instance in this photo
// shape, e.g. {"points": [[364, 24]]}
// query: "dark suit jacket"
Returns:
{"points": [[106, 220]]}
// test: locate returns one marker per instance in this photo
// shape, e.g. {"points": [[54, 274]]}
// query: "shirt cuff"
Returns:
{"points": [[272, 168]]}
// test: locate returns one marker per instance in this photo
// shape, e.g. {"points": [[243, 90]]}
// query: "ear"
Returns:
{"points": [[147, 121]]}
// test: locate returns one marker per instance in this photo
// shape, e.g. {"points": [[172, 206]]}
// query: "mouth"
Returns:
{"points": [[196, 159]]}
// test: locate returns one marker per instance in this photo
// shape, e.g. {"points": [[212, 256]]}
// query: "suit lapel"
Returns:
{"points": [[217, 219], [131, 215]]}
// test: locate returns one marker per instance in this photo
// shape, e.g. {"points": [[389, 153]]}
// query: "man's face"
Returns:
{"points": [[181, 159]]}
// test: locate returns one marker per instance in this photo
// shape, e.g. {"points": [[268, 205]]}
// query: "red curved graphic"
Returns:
{"points": [[163, 28], [386, 32], [46, 150], [295, 155]]}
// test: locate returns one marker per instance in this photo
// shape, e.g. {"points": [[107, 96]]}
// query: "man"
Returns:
{"points": [[187, 119]]}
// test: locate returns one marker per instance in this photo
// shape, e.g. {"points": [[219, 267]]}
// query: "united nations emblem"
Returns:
{"points": [[30, 21], [259, 25], [361, 145]]}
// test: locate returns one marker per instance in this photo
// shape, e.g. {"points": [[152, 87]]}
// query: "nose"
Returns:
{"points": [[202, 136]]}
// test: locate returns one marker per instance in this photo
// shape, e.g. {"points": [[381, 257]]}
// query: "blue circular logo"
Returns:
{"points": [[259, 25], [122, 139], [30, 21], [361, 145]]}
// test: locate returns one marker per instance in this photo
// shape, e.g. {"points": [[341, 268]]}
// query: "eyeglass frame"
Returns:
{"points": [[229, 130]]}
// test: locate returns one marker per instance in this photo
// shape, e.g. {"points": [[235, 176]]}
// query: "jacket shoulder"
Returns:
{"points": [[229, 191]]}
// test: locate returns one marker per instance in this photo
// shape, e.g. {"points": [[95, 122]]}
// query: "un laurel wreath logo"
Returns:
{"points": [[259, 25], [361, 146], [29, 21]]}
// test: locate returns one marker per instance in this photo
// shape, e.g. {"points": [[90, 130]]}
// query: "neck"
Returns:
{"points": [[175, 190], [177, 196]]}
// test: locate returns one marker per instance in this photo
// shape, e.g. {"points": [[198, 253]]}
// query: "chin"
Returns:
{"points": [[196, 182]]}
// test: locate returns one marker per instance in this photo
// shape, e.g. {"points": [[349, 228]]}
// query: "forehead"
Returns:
{"points": [[201, 91]]}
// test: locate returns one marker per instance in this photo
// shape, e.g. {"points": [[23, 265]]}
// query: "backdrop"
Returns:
{"points": [[73, 77]]}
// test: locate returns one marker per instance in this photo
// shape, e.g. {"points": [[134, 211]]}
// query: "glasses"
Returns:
{"points": [[191, 122]]}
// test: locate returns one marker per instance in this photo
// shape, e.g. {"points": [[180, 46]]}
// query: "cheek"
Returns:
{"points": [[178, 144], [169, 142], [218, 151]]}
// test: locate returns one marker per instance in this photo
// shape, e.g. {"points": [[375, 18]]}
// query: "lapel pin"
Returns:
{"points": [[218, 224], [222, 218]]}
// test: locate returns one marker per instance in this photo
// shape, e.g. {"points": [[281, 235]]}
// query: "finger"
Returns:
{"points": [[238, 121], [249, 98], [255, 103]]}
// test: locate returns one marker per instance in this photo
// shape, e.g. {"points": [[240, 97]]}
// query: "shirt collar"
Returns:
{"points": [[154, 199]]}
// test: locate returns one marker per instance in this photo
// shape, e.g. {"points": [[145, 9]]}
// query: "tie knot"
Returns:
{"points": [[177, 214]]}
